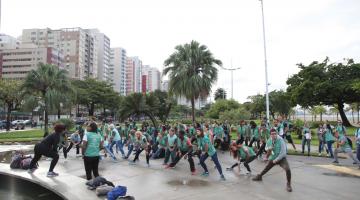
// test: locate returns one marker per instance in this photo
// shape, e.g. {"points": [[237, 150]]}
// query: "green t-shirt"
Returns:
{"points": [[211, 148], [275, 146], [192, 131], [171, 140], [115, 134], [329, 136], [183, 145], [93, 144], [142, 142], [218, 132], [255, 132], [241, 131], [242, 152], [264, 134], [341, 129], [162, 141], [346, 146]]}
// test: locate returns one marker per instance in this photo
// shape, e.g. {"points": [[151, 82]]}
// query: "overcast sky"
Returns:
{"points": [[296, 30]]}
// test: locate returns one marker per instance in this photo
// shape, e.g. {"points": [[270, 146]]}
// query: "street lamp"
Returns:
{"points": [[232, 79], [266, 71]]}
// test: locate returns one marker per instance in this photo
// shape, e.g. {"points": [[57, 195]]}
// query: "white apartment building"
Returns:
{"points": [[78, 46], [17, 63], [117, 70], [133, 75], [103, 55], [8, 42]]}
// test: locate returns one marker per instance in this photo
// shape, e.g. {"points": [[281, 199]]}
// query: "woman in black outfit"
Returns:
{"points": [[48, 147]]}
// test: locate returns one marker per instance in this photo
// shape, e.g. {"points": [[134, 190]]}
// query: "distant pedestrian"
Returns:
{"points": [[321, 139], [357, 139], [306, 138], [343, 146], [329, 139]]}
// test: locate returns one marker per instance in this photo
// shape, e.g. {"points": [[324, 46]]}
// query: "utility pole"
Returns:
{"points": [[266, 70]]}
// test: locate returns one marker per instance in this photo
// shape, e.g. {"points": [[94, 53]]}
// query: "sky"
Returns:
{"points": [[297, 31]]}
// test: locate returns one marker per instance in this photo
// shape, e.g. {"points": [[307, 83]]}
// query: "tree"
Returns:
{"points": [[45, 81], [221, 106], [91, 92], [138, 104], [354, 107], [11, 95], [320, 110], [220, 93], [280, 103], [325, 84], [166, 103], [192, 72], [257, 105]]}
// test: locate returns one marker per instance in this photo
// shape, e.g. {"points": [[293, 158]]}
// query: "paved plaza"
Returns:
{"points": [[312, 178]]}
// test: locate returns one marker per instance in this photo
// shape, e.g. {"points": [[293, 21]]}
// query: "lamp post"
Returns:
{"points": [[266, 71], [232, 79]]}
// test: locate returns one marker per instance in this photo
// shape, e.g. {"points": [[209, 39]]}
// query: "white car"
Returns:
{"points": [[15, 122], [27, 122]]}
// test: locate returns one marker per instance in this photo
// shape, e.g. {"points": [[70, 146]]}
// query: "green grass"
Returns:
{"points": [[21, 136]]}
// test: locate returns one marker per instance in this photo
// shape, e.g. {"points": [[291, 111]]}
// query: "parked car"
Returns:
{"points": [[27, 122], [15, 122], [2, 124]]}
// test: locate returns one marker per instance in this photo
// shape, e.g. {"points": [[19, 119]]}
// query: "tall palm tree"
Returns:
{"points": [[46, 80], [192, 72]]}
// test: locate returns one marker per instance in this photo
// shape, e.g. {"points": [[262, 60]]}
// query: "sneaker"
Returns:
{"points": [[222, 178], [320, 154], [248, 173], [167, 167], [52, 174], [257, 178], [288, 188], [335, 162], [355, 163], [131, 162], [30, 171], [205, 174], [229, 169]]}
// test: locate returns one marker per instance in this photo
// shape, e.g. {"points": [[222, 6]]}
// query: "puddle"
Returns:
{"points": [[341, 175], [191, 183]]}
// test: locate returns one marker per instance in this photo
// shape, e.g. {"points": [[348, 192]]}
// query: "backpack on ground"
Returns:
{"points": [[25, 163], [117, 192], [16, 160]]}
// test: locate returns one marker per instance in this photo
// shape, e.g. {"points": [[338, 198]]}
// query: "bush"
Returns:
{"points": [[186, 121]]}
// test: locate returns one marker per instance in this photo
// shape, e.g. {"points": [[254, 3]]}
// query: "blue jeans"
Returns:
{"points": [[157, 153], [214, 159], [119, 145], [130, 149], [358, 152], [329, 145], [107, 149]]}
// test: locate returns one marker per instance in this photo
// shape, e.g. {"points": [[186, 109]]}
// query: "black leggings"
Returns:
{"points": [[261, 149], [66, 150], [41, 150], [255, 140], [246, 163], [91, 165], [138, 152], [190, 160]]}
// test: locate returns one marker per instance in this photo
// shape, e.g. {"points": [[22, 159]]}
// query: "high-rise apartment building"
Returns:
{"points": [[151, 79], [78, 46], [8, 42], [17, 63], [103, 55], [117, 70], [133, 75]]}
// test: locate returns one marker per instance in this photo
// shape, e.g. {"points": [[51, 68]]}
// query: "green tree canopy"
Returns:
{"points": [[221, 106], [192, 72], [220, 93], [11, 95], [321, 83], [45, 81]]}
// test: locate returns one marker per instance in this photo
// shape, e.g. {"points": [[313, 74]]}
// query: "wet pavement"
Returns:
{"points": [[312, 178]]}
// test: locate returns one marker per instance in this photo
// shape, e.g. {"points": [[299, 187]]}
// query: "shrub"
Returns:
{"points": [[69, 124]]}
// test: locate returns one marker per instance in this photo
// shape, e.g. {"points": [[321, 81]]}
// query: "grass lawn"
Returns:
{"points": [[21, 136]]}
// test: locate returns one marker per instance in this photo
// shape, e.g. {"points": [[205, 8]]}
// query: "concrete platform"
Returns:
{"points": [[312, 178]]}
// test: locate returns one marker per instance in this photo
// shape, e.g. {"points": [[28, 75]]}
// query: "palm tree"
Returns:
{"points": [[335, 110], [137, 105], [45, 81], [191, 72]]}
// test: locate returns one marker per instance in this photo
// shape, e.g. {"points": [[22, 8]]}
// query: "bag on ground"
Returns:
{"points": [[103, 190], [116, 192]]}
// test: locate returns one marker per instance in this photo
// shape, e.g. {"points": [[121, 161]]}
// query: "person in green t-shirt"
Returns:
{"points": [[184, 150], [241, 131], [143, 144], [92, 143], [255, 137], [208, 150], [264, 135], [130, 143], [340, 128], [242, 153], [277, 146], [161, 140], [171, 146], [329, 139], [343, 146], [306, 134]]}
